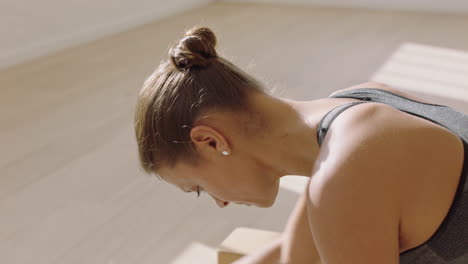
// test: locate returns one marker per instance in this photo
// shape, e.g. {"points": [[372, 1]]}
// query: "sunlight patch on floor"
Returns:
{"points": [[427, 69], [196, 253], [294, 183]]}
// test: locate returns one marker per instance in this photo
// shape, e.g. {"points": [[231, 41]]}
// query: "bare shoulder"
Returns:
{"points": [[380, 142], [402, 118], [370, 163], [354, 195], [374, 141], [383, 86], [354, 199]]}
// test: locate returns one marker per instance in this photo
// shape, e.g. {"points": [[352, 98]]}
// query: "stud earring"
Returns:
{"points": [[225, 153]]}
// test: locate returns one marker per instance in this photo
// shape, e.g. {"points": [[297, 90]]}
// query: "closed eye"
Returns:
{"points": [[198, 191]]}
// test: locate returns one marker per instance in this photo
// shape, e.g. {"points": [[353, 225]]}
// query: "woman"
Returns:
{"points": [[387, 176]]}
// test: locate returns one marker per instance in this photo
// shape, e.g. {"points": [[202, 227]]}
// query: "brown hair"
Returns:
{"points": [[192, 80]]}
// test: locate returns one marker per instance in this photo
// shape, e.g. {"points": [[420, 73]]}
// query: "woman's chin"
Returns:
{"points": [[266, 204]]}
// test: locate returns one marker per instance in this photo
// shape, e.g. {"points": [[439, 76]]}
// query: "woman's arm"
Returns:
{"points": [[299, 245]]}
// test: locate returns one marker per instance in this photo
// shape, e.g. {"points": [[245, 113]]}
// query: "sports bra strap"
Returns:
{"points": [[328, 118]]}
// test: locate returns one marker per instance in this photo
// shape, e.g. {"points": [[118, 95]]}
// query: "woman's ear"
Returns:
{"points": [[207, 139]]}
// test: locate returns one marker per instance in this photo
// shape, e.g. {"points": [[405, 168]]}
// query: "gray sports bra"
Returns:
{"points": [[449, 243]]}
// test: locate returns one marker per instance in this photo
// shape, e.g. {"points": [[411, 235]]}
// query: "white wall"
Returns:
{"points": [[29, 29], [450, 6]]}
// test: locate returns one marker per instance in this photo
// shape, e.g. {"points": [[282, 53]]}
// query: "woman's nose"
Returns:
{"points": [[220, 203]]}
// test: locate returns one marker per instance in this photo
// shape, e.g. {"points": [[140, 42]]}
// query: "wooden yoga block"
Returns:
{"points": [[243, 241]]}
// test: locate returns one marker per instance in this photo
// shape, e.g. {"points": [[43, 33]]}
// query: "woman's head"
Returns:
{"points": [[194, 106]]}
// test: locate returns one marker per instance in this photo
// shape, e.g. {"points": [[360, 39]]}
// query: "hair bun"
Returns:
{"points": [[197, 48]]}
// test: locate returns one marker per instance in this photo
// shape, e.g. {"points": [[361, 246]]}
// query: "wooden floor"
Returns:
{"points": [[70, 187]]}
